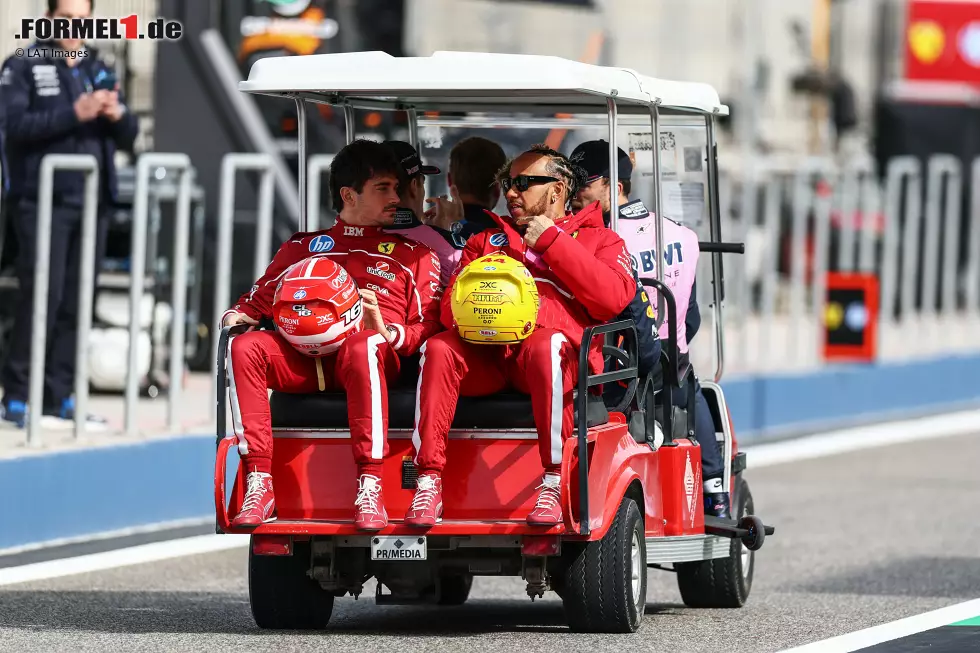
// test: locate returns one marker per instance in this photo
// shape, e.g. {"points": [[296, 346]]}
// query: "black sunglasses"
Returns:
{"points": [[523, 182]]}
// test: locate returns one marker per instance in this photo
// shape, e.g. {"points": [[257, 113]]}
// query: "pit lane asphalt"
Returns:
{"points": [[861, 539]]}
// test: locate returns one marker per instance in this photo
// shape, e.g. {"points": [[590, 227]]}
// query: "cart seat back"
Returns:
{"points": [[504, 410]]}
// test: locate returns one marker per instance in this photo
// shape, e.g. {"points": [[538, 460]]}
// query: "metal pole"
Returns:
{"points": [[870, 206], [769, 277], [898, 168], [910, 257], [939, 165], [301, 164], [86, 292], [318, 163], [613, 165], [231, 163], [413, 128], [821, 255], [178, 341], [349, 123], [935, 167], [146, 162], [39, 329], [973, 257], [714, 223], [803, 202], [263, 226], [850, 204], [89, 165], [658, 204]]}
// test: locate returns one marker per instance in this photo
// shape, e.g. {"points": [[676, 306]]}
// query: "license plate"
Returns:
{"points": [[398, 547]]}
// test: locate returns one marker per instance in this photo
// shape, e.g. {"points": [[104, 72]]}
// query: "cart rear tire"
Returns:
{"points": [[283, 596], [605, 585], [722, 582]]}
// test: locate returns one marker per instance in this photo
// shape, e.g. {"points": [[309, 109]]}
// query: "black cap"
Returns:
{"points": [[409, 157], [593, 157]]}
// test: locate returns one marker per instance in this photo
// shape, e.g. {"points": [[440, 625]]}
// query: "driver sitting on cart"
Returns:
{"points": [[400, 302], [584, 277]]}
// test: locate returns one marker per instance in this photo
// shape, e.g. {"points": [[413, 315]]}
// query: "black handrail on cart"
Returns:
{"points": [[586, 381], [711, 247]]}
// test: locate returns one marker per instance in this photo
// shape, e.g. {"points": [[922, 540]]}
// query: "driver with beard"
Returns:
{"points": [[584, 278]]}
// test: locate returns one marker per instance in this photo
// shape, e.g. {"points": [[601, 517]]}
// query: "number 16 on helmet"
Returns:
{"points": [[316, 306], [495, 301]]}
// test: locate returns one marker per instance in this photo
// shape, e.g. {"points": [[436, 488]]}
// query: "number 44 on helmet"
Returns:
{"points": [[317, 306]]}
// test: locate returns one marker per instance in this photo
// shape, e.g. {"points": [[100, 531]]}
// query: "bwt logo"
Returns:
{"points": [[86, 29]]}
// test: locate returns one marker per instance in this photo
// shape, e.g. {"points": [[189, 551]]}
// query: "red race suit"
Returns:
{"points": [[405, 276], [584, 277]]}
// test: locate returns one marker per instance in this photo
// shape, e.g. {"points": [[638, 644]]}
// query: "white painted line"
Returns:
{"points": [[891, 631], [135, 555], [109, 535], [862, 437]]}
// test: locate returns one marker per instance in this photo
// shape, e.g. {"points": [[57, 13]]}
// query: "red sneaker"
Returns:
{"points": [[259, 505], [370, 512], [547, 510], [426, 507]]}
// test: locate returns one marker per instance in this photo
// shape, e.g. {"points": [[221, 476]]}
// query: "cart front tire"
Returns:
{"points": [[722, 582]]}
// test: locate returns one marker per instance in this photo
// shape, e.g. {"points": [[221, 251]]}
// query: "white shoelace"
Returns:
{"points": [[255, 490], [549, 498], [425, 494], [367, 495]]}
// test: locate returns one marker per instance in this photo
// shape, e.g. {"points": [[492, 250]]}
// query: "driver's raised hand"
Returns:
{"points": [[536, 225]]}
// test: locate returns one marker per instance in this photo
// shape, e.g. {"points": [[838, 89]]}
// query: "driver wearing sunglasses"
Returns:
{"points": [[584, 277]]}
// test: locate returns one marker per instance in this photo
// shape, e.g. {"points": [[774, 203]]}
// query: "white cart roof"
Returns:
{"points": [[471, 81]]}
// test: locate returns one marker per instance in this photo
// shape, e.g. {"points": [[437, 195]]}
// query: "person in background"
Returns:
{"points": [[411, 190], [473, 166], [680, 257], [59, 97], [4, 186]]}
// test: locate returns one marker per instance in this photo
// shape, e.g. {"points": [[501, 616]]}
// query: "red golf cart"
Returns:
{"points": [[632, 497]]}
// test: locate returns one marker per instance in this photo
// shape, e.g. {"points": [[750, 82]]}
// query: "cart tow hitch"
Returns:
{"points": [[749, 529], [536, 575]]}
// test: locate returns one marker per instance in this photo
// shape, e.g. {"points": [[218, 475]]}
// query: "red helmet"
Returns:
{"points": [[316, 306]]}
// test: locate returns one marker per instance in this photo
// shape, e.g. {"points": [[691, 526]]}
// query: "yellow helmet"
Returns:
{"points": [[495, 301]]}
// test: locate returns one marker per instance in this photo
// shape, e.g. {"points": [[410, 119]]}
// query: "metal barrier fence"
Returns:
{"points": [[148, 162], [51, 163], [915, 226], [231, 164], [911, 228], [317, 165]]}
